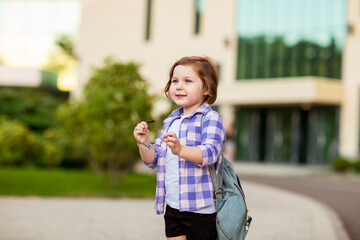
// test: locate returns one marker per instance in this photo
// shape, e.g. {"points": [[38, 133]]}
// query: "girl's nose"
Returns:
{"points": [[179, 86]]}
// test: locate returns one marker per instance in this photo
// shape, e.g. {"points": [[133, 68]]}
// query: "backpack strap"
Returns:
{"points": [[216, 180]]}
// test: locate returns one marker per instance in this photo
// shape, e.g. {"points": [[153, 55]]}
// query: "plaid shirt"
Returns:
{"points": [[196, 188]]}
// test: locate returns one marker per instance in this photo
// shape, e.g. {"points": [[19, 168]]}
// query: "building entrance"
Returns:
{"points": [[289, 135]]}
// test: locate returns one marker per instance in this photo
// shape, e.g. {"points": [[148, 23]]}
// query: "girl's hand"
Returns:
{"points": [[173, 142], [141, 132]]}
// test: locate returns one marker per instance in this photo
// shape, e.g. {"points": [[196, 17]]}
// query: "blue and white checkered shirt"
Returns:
{"points": [[196, 188]]}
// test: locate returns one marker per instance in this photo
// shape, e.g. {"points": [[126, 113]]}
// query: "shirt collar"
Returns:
{"points": [[203, 109]]}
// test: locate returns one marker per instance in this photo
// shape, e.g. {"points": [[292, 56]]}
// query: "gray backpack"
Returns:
{"points": [[232, 219]]}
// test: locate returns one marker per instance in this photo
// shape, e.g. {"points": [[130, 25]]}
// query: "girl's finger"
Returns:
{"points": [[169, 134], [171, 139], [139, 130], [142, 125], [139, 127]]}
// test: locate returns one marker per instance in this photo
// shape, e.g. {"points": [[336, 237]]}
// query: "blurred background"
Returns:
{"points": [[289, 80], [77, 75]]}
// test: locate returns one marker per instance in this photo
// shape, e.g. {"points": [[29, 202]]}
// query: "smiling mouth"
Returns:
{"points": [[180, 95]]}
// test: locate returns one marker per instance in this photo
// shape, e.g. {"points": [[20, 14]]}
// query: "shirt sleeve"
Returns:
{"points": [[213, 138], [154, 163]]}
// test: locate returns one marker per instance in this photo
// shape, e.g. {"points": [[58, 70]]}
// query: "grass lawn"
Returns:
{"points": [[59, 182]]}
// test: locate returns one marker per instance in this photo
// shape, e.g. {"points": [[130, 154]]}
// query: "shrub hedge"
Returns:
{"points": [[20, 146], [343, 164]]}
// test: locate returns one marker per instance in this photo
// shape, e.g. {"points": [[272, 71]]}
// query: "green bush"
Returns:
{"points": [[34, 107], [341, 164], [18, 145], [52, 150], [356, 165]]}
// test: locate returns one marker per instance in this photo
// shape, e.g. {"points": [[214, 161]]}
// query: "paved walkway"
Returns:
{"points": [[277, 215]]}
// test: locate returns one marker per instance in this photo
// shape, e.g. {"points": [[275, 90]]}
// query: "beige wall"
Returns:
{"points": [[349, 116], [117, 28]]}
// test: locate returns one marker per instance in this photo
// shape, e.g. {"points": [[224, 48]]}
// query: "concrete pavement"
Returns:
{"points": [[277, 214], [78, 219]]}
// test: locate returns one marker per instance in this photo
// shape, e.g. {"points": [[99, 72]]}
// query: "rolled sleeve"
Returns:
{"points": [[154, 163], [212, 140], [208, 156]]}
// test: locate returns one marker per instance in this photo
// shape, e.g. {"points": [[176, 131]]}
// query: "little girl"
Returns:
{"points": [[184, 151]]}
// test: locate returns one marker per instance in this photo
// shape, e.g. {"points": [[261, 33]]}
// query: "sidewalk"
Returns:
{"points": [[277, 215], [280, 214], [267, 169], [285, 209]]}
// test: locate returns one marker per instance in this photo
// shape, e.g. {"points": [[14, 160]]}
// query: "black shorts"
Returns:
{"points": [[195, 226]]}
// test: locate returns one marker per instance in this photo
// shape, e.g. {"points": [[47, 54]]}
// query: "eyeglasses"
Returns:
{"points": [[150, 146]]}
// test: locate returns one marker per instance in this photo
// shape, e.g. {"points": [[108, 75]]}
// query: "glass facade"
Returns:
{"points": [[287, 38], [287, 135], [281, 39]]}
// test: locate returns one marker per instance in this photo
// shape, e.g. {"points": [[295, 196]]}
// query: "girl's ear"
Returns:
{"points": [[206, 92]]}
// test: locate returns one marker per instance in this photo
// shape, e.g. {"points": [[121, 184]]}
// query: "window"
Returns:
{"points": [[278, 38], [198, 15], [148, 20], [218, 68]]}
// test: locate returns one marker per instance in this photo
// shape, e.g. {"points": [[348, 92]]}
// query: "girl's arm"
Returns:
{"points": [[141, 134], [148, 155]]}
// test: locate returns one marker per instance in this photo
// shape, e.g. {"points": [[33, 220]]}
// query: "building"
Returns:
{"points": [[27, 77], [289, 81]]}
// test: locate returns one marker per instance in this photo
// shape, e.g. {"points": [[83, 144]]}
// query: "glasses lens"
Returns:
{"points": [[157, 147]]}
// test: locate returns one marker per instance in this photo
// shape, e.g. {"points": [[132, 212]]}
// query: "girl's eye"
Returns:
{"points": [[188, 80], [174, 81]]}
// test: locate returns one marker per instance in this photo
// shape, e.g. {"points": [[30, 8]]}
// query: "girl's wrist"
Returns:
{"points": [[145, 145], [180, 149]]}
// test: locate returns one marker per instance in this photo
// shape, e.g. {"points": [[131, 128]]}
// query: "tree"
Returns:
{"points": [[101, 122]]}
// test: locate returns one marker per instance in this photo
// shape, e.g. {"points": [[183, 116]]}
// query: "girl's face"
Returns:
{"points": [[186, 88]]}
